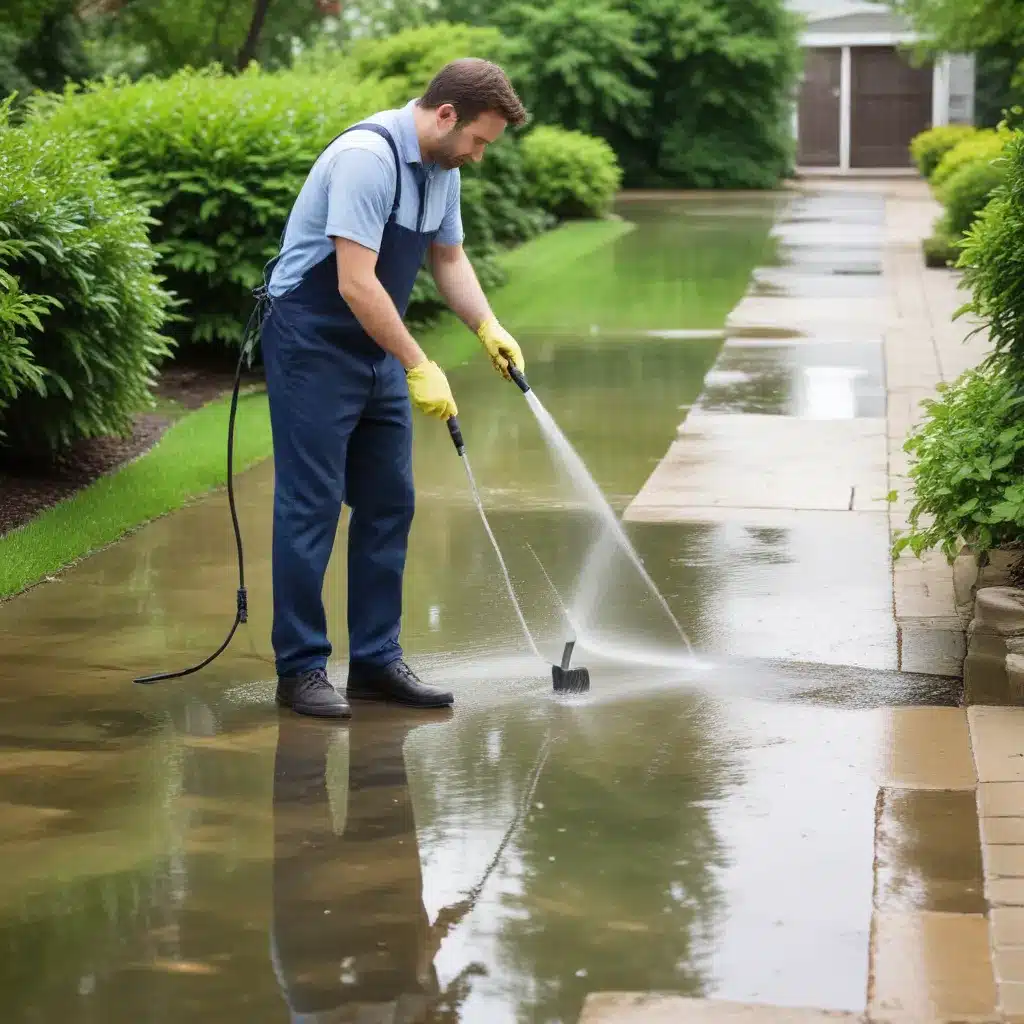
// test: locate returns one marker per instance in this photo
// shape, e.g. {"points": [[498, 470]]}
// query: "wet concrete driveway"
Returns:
{"points": [[186, 852]]}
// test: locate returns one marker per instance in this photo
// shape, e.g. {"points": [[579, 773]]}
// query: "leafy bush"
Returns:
{"points": [[967, 191], [968, 466], [993, 261], [982, 147], [80, 306], [571, 174], [929, 147]]}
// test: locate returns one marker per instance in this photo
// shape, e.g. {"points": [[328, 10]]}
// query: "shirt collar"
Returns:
{"points": [[408, 140]]}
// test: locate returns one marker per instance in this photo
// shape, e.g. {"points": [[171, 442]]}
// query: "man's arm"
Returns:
{"points": [[359, 197], [371, 304], [457, 282]]}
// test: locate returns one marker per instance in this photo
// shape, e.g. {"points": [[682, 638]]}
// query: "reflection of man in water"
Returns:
{"points": [[351, 937]]}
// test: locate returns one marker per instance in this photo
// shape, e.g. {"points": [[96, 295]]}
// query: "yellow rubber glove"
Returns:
{"points": [[429, 390], [501, 347]]}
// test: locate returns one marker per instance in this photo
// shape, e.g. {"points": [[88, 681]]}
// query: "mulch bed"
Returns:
{"points": [[24, 493]]}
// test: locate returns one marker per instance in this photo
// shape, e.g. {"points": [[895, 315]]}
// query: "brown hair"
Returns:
{"points": [[473, 87]]}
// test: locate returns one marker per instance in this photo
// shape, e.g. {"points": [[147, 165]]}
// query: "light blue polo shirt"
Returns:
{"points": [[350, 191]]}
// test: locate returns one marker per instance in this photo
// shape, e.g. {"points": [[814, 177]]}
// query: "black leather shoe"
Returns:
{"points": [[396, 683], [311, 693]]}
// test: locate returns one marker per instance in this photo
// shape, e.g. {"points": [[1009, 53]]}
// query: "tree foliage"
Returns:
{"points": [[993, 30], [193, 33]]}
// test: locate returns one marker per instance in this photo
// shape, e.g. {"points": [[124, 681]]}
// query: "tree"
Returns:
{"points": [[42, 45], [580, 64]]}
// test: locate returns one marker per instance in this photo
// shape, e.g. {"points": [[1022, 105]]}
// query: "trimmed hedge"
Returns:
{"points": [[966, 193], [572, 174], [81, 308], [982, 146], [929, 147], [993, 261], [966, 172]]}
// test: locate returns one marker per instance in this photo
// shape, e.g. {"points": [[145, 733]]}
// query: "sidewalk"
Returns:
{"points": [[823, 459]]}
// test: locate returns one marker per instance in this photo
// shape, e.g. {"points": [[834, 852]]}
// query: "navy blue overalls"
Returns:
{"points": [[341, 423]]}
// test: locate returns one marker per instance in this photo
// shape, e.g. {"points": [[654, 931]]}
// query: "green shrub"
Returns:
{"points": [[993, 260], [982, 147], [929, 147], [967, 191], [967, 466], [571, 174], [80, 306]]}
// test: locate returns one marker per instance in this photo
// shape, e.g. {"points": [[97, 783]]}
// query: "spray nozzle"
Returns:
{"points": [[456, 431], [516, 374]]}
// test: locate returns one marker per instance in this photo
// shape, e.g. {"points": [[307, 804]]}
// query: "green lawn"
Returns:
{"points": [[190, 459]]}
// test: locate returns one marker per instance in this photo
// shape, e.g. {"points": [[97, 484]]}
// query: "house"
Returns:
{"points": [[862, 99]]}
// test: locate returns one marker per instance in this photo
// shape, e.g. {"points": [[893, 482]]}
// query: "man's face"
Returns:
{"points": [[460, 145]]}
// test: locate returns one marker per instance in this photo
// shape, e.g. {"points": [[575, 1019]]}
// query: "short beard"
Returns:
{"points": [[444, 156]]}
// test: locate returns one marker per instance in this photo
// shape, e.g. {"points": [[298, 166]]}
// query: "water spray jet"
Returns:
{"points": [[563, 678]]}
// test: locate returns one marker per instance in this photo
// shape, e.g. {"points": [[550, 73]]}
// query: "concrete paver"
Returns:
{"points": [[930, 967], [767, 462], [928, 748], [639, 1008]]}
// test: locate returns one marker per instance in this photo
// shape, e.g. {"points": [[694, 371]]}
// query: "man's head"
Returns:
{"points": [[465, 108]]}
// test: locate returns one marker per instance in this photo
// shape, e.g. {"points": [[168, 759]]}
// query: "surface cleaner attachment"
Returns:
{"points": [[570, 680]]}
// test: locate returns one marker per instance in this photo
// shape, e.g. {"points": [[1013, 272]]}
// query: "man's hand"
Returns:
{"points": [[429, 390], [501, 347]]}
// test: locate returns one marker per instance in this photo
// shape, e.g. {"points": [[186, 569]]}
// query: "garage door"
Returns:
{"points": [[819, 109], [891, 102]]}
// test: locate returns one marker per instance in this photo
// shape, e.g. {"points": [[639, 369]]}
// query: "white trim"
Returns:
{"points": [[941, 82], [839, 39], [845, 107]]}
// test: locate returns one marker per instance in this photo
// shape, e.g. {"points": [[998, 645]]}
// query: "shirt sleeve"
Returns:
{"points": [[450, 232], [360, 194]]}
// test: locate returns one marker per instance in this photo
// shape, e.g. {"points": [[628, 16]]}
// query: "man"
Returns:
{"points": [[342, 368]]}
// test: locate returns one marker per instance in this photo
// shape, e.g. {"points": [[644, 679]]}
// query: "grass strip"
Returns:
{"points": [[191, 457]]}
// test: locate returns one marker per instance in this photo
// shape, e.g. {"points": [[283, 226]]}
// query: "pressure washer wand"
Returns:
{"points": [[456, 432], [516, 374]]}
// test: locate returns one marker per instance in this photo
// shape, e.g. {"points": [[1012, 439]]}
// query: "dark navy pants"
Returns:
{"points": [[342, 432]]}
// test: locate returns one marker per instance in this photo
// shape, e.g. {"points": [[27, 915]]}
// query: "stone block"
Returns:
{"points": [[997, 739], [999, 611], [1001, 799], [968, 578]]}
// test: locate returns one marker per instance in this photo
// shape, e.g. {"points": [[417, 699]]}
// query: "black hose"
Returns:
{"points": [[242, 599]]}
